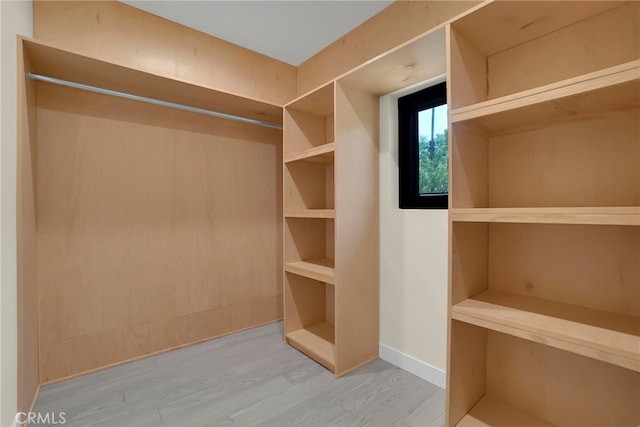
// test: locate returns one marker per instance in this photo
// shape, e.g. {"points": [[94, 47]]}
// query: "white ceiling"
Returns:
{"points": [[291, 31]]}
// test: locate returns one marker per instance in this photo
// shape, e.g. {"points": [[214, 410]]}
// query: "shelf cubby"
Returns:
{"points": [[562, 164], [310, 318], [318, 341], [322, 154], [498, 379], [611, 89], [308, 239], [321, 269], [544, 315], [309, 122], [490, 412], [531, 45], [628, 215], [610, 337], [573, 287], [308, 186], [330, 205]]}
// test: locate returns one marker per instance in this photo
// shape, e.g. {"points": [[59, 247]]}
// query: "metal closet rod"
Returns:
{"points": [[154, 101]]}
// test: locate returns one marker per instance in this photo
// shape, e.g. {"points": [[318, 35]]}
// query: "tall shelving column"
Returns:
{"points": [[309, 279], [331, 226], [544, 315]]}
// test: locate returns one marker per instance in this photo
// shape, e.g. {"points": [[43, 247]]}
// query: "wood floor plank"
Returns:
{"points": [[243, 380]]}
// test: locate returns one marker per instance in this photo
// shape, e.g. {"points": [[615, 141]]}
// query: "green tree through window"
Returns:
{"points": [[422, 149], [433, 176]]}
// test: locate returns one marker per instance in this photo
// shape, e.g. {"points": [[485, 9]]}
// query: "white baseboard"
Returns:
{"points": [[411, 364]]}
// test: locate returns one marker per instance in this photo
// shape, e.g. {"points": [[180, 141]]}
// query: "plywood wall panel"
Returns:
{"points": [[560, 387], [27, 286], [156, 228], [590, 266], [395, 25], [601, 41], [554, 165], [118, 33]]}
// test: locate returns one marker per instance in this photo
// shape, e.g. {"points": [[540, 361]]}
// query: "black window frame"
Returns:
{"points": [[408, 156]]}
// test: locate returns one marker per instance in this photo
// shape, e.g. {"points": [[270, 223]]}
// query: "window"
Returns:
{"points": [[422, 149]]}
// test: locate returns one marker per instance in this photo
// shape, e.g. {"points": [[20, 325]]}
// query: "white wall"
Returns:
{"points": [[413, 265], [16, 17]]}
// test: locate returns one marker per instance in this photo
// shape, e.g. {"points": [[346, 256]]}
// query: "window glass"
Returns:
{"points": [[433, 173]]}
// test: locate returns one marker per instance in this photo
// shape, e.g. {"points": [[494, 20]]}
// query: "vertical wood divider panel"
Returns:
{"points": [[28, 378], [156, 229], [357, 228], [544, 309]]}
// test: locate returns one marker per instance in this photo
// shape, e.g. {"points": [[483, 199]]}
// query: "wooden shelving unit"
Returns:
{"points": [[626, 215], [62, 64], [310, 213], [544, 214], [490, 412], [318, 269], [317, 341], [321, 154], [330, 210], [609, 337]]}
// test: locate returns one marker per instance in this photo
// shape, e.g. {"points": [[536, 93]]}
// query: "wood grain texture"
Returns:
{"points": [[467, 71], [374, 37], [490, 412], [466, 375], [316, 341], [606, 336], [554, 165], [143, 235], [469, 154], [560, 387], [123, 35], [544, 265], [610, 89], [411, 63], [304, 303], [515, 23], [469, 260], [357, 228], [52, 61], [318, 269], [303, 132], [244, 379], [589, 266], [627, 215], [308, 186], [320, 154], [601, 41], [26, 237]]}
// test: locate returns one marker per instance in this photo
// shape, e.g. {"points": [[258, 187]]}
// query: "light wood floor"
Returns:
{"points": [[246, 379]]}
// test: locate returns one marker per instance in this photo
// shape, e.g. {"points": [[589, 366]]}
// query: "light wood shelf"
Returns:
{"points": [[316, 341], [544, 316], [490, 412], [624, 215], [318, 102], [318, 269], [311, 213], [321, 154], [501, 25], [317, 184], [51, 61], [609, 337], [613, 88]]}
